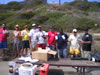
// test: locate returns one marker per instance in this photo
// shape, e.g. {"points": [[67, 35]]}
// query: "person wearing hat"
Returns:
{"points": [[25, 40], [41, 36], [51, 38], [74, 40], [4, 33], [16, 41], [32, 35], [86, 44]]}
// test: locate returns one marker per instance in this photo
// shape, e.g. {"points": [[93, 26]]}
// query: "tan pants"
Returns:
{"points": [[86, 54]]}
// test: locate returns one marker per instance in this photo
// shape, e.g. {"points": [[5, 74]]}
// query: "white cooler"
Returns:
{"points": [[27, 69]]}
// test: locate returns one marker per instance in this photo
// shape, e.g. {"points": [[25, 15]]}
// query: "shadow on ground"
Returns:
{"points": [[55, 72], [61, 72]]}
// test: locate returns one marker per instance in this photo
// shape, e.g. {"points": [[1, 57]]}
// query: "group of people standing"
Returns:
{"points": [[52, 39]]}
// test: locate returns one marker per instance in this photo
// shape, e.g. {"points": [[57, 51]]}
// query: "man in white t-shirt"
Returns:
{"points": [[74, 40], [41, 36], [33, 35]]}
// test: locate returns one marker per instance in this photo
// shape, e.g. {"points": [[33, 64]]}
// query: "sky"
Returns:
{"points": [[56, 1]]}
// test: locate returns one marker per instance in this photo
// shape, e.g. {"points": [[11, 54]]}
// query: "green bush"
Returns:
{"points": [[55, 15], [86, 6], [3, 16], [20, 22], [81, 22], [14, 5], [26, 15], [40, 19], [64, 7]]}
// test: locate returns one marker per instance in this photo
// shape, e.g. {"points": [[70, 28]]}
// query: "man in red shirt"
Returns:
{"points": [[4, 33], [51, 38]]}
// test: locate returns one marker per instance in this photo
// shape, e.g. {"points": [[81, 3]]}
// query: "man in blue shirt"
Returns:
{"points": [[61, 39]]}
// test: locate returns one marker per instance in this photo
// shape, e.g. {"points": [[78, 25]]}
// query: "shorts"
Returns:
{"points": [[25, 44], [74, 51], [41, 46], [3, 45], [16, 45]]}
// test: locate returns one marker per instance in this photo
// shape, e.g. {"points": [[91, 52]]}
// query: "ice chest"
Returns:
{"points": [[44, 69], [27, 69]]}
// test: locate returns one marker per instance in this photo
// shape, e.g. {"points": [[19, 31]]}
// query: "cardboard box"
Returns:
{"points": [[43, 55], [40, 55], [51, 52]]}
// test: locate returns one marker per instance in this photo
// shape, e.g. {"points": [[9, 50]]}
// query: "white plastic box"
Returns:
{"points": [[29, 70]]}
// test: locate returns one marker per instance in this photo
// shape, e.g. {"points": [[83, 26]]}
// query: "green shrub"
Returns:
{"points": [[20, 22], [55, 15], [14, 5], [40, 19], [81, 22], [3, 16], [26, 15], [64, 7]]}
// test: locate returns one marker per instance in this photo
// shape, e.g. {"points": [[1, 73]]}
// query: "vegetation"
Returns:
{"points": [[76, 14]]}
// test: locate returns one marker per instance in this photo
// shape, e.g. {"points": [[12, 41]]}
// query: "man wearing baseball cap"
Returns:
{"points": [[32, 35], [86, 43], [25, 40], [74, 40], [41, 35]]}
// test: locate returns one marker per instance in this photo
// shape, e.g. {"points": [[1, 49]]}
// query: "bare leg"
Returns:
{"points": [[19, 53], [15, 53], [26, 51], [22, 52]]}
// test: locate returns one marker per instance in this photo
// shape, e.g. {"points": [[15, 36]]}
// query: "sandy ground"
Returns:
{"points": [[52, 70]]}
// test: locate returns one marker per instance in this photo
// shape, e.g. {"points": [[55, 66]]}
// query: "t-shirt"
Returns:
{"points": [[25, 33], [40, 35], [33, 34], [85, 46], [61, 41], [75, 41], [51, 38], [3, 35]]}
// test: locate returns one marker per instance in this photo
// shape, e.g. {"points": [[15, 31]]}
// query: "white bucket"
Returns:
{"points": [[27, 70]]}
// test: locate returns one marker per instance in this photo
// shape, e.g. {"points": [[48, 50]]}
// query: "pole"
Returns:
{"points": [[59, 2]]}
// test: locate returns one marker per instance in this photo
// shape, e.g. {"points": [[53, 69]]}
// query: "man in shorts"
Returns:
{"points": [[4, 33], [25, 40], [86, 44], [74, 40], [16, 41]]}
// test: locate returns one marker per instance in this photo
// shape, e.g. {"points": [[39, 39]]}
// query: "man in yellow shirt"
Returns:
{"points": [[25, 40]]}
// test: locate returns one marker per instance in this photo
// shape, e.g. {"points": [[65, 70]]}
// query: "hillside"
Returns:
{"points": [[69, 15]]}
